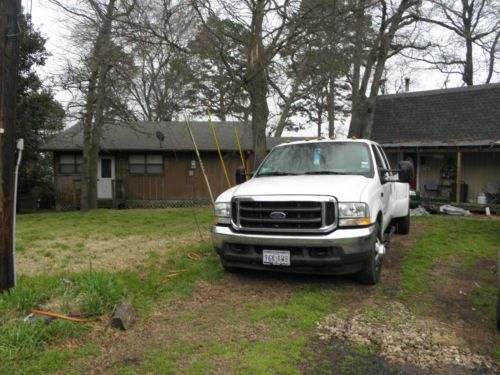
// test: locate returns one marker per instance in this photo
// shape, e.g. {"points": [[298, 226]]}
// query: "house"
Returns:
{"points": [[451, 135], [151, 164]]}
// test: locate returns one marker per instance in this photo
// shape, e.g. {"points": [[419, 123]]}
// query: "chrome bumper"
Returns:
{"points": [[350, 248]]}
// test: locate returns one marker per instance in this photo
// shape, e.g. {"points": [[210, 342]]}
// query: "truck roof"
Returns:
{"points": [[326, 140]]}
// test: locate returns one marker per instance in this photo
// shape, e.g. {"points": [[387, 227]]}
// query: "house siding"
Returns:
{"points": [[175, 183]]}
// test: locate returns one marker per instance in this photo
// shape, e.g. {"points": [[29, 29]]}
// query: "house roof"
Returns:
{"points": [[142, 136], [465, 115]]}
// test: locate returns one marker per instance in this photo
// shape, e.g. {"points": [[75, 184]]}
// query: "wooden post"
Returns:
{"points": [[418, 170], [9, 46], [459, 176]]}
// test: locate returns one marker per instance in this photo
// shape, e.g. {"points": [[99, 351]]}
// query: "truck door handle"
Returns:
{"points": [[382, 195]]}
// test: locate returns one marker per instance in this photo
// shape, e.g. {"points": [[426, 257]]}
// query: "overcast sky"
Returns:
{"points": [[50, 21]]}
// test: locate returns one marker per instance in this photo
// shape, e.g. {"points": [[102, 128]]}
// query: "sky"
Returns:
{"points": [[50, 21]]}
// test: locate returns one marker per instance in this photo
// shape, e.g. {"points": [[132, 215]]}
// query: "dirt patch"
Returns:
{"points": [[452, 294], [216, 313], [117, 254]]}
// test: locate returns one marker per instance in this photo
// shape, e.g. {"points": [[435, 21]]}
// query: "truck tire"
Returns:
{"points": [[370, 273], [403, 224]]}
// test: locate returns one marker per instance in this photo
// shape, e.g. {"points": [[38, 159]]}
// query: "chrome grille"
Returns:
{"points": [[282, 214]]}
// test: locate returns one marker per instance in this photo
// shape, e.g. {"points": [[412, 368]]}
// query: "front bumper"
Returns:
{"points": [[339, 252]]}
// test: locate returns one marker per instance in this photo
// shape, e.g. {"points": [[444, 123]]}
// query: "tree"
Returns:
{"points": [[96, 20], [318, 64], [39, 115], [378, 36], [215, 89], [160, 79], [473, 22], [268, 29]]}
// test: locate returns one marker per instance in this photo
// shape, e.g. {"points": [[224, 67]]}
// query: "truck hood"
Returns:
{"points": [[345, 188]]}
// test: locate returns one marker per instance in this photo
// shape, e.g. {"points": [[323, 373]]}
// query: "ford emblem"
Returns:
{"points": [[278, 215]]}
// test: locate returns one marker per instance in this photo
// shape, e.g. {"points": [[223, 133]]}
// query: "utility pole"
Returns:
{"points": [[9, 46]]}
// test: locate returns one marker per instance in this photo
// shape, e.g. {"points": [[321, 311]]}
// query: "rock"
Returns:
{"points": [[124, 316]]}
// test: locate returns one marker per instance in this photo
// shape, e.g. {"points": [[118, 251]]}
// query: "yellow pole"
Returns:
{"points": [[200, 161], [241, 152], [218, 149]]}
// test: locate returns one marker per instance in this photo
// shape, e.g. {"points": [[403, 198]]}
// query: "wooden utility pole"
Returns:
{"points": [[9, 46]]}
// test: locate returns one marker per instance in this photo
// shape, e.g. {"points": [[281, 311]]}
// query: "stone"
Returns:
{"points": [[123, 317]]}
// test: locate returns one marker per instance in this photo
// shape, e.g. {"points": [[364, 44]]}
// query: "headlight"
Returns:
{"points": [[222, 213], [353, 214]]}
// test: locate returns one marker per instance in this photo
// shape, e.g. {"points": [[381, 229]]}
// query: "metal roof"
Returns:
{"points": [[142, 136], [477, 143], [466, 116]]}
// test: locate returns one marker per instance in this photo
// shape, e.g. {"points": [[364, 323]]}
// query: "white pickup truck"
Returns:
{"points": [[319, 206]]}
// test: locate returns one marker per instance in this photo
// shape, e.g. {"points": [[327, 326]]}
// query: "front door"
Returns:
{"points": [[105, 177]]}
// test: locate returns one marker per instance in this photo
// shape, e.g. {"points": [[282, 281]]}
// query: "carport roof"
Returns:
{"points": [[459, 116], [142, 136]]}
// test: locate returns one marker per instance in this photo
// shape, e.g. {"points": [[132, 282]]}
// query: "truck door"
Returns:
{"points": [[387, 187]]}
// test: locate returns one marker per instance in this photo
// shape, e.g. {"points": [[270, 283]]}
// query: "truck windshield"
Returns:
{"points": [[318, 158]]}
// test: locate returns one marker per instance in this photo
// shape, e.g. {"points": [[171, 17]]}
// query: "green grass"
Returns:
{"points": [[105, 224], [460, 242], [283, 328], [458, 247], [28, 348]]}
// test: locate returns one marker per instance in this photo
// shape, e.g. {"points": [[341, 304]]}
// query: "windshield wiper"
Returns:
{"points": [[276, 174], [323, 172]]}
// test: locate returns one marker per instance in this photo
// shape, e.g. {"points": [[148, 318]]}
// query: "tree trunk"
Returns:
{"points": [[87, 143], [330, 107], [257, 85], [299, 77], [355, 125], [363, 108], [260, 113], [491, 64], [320, 117], [94, 111], [468, 77], [468, 10]]}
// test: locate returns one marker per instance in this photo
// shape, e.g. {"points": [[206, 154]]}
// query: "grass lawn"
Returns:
{"points": [[201, 320]]}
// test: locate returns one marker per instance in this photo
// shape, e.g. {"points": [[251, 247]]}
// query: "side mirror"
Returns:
{"points": [[241, 176], [405, 171]]}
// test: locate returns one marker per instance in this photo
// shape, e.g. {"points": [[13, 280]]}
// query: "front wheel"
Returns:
{"points": [[370, 273]]}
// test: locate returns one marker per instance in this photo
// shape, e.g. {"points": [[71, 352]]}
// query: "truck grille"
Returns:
{"points": [[284, 215]]}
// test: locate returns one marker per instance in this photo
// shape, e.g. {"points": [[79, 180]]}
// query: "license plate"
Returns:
{"points": [[276, 257]]}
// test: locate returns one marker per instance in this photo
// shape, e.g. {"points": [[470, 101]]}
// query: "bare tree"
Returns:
{"points": [[160, 79], [324, 55], [268, 28], [215, 89], [97, 18], [378, 36], [473, 22]]}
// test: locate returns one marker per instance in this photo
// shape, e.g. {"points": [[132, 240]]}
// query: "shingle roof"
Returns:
{"points": [[142, 136], [446, 116]]}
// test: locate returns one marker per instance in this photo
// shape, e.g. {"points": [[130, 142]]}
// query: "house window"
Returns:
{"points": [[70, 164], [145, 164]]}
